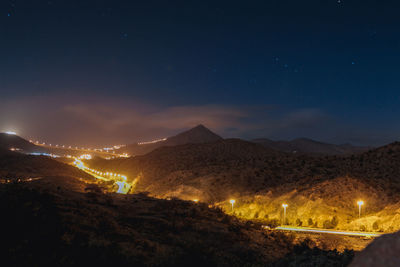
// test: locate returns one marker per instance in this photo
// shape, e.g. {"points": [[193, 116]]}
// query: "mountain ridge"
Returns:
{"points": [[195, 135], [310, 146]]}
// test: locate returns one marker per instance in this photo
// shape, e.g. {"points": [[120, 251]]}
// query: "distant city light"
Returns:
{"points": [[85, 156]]}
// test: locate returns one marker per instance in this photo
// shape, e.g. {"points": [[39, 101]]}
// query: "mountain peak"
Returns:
{"points": [[200, 126], [198, 134]]}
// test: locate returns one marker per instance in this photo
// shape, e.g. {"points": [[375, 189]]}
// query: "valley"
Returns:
{"points": [[307, 200]]}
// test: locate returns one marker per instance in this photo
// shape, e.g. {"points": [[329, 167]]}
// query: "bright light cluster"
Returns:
{"points": [[85, 156]]}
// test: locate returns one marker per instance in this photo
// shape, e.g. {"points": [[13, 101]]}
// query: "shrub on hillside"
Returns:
{"points": [[335, 221], [327, 224], [375, 226]]}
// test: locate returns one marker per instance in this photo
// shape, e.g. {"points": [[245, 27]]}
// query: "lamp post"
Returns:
{"points": [[360, 203], [232, 201], [284, 212]]}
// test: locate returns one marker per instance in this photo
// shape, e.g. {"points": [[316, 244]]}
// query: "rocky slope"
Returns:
{"points": [[317, 188], [382, 252], [47, 223], [11, 141]]}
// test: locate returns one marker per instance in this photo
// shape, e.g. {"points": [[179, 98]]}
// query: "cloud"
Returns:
{"points": [[84, 120], [59, 119]]}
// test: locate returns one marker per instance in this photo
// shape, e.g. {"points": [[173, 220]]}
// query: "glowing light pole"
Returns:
{"points": [[284, 206], [360, 203], [232, 201]]}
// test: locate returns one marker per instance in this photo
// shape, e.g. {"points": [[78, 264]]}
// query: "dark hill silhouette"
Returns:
{"points": [[9, 141], [17, 165], [383, 251], [196, 135], [309, 146], [47, 223]]}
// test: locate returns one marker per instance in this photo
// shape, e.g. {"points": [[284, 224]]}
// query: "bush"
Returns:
{"points": [[256, 215], [328, 224], [335, 221], [375, 226], [299, 222], [310, 222]]}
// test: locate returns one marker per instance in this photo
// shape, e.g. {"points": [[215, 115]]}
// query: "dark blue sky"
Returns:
{"points": [[279, 69]]}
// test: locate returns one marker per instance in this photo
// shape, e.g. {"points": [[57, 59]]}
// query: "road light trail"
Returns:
{"points": [[118, 179], [326, 231]]}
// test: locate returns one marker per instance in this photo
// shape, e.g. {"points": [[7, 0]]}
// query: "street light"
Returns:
{"points": [[284, 212], [360, 203], [232, 201]]}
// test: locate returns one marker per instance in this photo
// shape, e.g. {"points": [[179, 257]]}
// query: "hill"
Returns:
{"points": [[16, 143], [309, 146], [48, 224], [196, 135], [11, 141], [195, 170], [317, 188], [15, 165]]}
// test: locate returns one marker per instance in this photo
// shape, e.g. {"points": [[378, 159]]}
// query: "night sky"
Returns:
{"points": [[107, 72]]}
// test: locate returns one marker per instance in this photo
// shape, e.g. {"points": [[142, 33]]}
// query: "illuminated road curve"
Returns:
{"points": [[118, 179], [326, 231]]}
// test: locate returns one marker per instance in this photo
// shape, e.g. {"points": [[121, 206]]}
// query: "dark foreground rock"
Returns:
{"points": [[382, 252]]}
